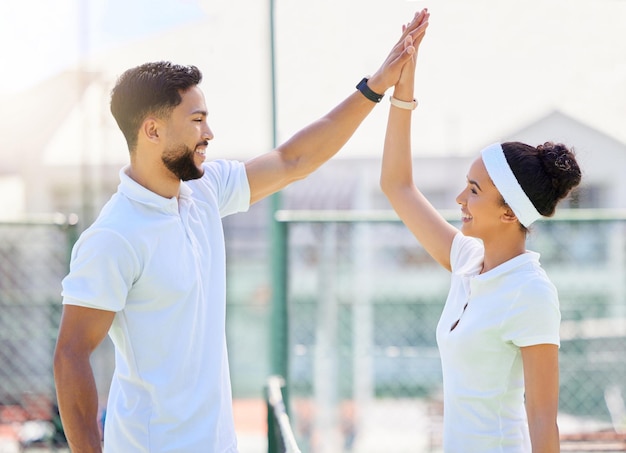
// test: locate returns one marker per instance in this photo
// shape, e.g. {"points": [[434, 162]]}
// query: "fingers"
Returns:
{"points": [[418, 33], [413, 32], [408, 45], [403, 51], [419, 23]]}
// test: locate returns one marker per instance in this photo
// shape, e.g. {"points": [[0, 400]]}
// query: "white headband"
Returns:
{"points": [[507, 184]]}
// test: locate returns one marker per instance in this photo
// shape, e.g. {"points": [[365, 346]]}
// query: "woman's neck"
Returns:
{"points": [[501, 249]]}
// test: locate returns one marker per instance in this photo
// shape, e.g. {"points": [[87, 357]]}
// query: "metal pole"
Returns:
{"points": [[278, 241], [326, 355], [279, 327], [86, 186]]}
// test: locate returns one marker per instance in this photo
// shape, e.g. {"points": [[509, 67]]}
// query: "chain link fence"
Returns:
{"points": [[33, 260], [364, 300]]}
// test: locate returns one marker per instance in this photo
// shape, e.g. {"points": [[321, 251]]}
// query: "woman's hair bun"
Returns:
{"points": [[560, 164], [547, 173]]}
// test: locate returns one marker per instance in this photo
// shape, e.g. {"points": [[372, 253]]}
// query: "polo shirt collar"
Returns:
{"points": [[138, 193], [484, 280], [513, 263]]}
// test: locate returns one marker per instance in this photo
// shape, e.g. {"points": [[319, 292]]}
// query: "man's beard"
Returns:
{"points": [[180, 161]]}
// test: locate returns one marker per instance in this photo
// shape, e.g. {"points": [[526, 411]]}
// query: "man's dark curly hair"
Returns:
{"points": [[149, 89]]}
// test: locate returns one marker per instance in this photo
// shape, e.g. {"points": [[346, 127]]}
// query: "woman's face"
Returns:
{"points": [[481, 204]]}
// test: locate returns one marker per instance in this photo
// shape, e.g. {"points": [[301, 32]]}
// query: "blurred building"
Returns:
{"points": [[61, 149]]}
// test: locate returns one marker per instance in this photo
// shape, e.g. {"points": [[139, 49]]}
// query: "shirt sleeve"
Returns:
{"points": [[535, 317], [226, 182], [103, 268], [466, 255]]}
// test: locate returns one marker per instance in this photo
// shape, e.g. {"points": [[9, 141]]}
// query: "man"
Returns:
{"points": [[150, 271]]}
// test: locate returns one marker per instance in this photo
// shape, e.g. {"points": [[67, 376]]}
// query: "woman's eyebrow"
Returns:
{"points": [[471, 181]]}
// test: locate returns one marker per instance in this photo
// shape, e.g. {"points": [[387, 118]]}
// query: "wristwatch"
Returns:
{"points": [[367, 92]]}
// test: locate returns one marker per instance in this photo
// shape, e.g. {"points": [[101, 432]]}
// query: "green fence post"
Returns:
{"points": [[278, 250], [278, 241], [279, 327]]}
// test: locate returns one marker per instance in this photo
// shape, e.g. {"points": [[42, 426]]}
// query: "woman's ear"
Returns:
{"points": [[508, 216]]}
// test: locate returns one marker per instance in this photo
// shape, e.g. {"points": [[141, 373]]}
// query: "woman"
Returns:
{"points": [[498, 334]]}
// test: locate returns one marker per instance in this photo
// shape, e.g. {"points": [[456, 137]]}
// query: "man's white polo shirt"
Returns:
{"points": [[160, 265]]}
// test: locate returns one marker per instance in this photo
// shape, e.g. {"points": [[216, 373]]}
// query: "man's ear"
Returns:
{"points": [[151, 129], [508, 216]]}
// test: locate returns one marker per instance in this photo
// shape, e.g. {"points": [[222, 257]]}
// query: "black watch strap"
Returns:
{"points": [[367, 92]]}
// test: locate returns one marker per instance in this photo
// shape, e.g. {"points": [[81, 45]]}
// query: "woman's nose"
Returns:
{"points": [[460, 198]]}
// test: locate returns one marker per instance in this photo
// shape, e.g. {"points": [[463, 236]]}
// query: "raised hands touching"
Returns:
{"points": [[313, 145], [396, 177], [402, 56], [404, 87]]}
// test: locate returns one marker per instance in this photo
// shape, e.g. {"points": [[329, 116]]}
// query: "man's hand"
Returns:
{"points": [[404, 51], [313, 145]]}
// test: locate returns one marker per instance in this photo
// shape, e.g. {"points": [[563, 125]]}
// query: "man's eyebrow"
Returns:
{"points": [[199, 112], [471, 181]]}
